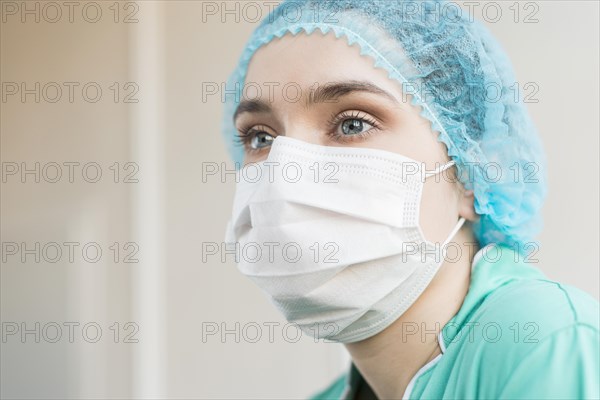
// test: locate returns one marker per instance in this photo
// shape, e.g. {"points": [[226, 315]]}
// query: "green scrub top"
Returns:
{"points": [[517, 335]]}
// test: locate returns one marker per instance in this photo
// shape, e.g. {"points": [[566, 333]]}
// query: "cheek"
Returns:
{"points": [[409, 134], [439, 208], [256, 156]]}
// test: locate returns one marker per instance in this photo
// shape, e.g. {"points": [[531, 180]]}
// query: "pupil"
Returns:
{"points": [[352, 126], [262, 139]]}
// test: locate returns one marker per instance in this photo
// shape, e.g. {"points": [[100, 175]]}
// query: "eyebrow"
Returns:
{"points": [[325, 93]]}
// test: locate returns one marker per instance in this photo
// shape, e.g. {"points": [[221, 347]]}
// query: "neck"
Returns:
{"points": [[391, 358]]}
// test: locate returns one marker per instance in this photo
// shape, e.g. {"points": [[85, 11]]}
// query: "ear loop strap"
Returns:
{"points": [[461, 220], [459, 225], [440, 169]]}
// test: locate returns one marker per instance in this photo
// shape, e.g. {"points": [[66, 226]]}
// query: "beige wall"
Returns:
{"points": [[82, 212], [170, 293]]}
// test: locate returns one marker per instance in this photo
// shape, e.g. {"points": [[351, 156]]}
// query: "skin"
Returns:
{"points": [[387, 364]]}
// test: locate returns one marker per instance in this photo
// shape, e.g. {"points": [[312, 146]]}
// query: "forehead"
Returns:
{"points": [[307, 60]]}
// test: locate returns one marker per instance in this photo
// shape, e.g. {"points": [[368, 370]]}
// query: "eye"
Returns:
{"points": [[260, 140], [354, 126], [255, 138]]}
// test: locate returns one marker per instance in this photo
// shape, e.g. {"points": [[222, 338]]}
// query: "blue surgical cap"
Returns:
{"points": [[458, 73]]}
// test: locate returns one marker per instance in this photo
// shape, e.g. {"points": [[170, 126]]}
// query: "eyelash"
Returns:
{"points": [[246, 134], [337, 119]]}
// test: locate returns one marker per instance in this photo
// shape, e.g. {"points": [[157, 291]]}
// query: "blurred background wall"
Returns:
{"points": [[104, 292]]}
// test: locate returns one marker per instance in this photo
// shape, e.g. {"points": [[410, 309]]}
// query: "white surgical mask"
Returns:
{"points": [[332, 235]]}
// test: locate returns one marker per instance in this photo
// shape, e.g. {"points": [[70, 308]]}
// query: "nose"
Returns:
{"points": [[306, 133]]}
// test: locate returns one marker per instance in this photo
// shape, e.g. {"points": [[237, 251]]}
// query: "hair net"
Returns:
{"points": [[463, 83]]}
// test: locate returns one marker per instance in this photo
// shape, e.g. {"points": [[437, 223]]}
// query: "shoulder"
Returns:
{"points": [[333, 391], [546, 305], [537, 338], [564, 364]]}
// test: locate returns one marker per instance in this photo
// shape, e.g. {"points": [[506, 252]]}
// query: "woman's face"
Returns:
{"points": [[318, 89]]}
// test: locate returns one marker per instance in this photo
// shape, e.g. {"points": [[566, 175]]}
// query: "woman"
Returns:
{"points": [[383, 147]]}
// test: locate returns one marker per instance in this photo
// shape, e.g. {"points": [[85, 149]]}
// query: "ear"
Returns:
{"points": [[466, 206]]}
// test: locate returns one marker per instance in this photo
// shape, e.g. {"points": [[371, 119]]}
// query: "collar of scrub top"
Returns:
{"points": [[485, 277]]}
